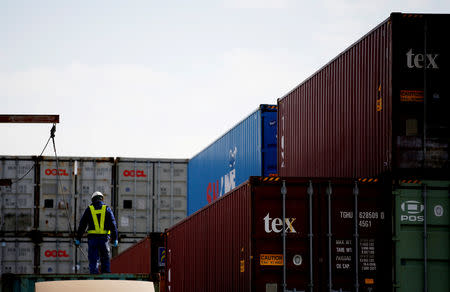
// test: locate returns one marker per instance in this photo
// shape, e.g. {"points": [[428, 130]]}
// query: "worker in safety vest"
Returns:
{"points": [[100, 221]]}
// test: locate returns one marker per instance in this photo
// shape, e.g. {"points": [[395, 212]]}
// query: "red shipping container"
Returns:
{"points": [[236, 243], [369, 110], [134, 260], [145, 257]]}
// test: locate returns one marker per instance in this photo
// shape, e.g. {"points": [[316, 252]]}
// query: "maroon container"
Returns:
{"points": [[142, 258], [236, 243], [134, 260], [368, 111]]}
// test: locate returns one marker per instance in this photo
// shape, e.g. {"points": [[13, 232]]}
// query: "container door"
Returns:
{"points": [[422, 236], [171, 194], [268, 225], [93, 175], [57, 256], [421, 93], [16, 256], [355, 236], [269, 139], [135, 197], [56, 206]]}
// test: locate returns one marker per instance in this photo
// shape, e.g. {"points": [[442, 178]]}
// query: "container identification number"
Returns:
{"points": [[365, 217]]}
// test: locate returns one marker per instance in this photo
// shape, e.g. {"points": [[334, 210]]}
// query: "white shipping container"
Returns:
{"points": [[56, 195], [135, 196], [151, 194], [16, 255], [170, 194], [93, 174], [17, 200], [58, 255], [57, 192]]}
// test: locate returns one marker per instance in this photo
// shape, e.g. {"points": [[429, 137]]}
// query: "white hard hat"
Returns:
{"points": [[95, 194]]}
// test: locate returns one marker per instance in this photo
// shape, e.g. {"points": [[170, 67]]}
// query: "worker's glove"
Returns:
{"points": [[77, 242], [116, 243]]}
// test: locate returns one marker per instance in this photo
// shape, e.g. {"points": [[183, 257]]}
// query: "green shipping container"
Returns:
{"points": [[422, 236], [26, 283]]}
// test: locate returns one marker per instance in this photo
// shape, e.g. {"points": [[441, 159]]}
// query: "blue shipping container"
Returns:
{"points": [[248, 149]]}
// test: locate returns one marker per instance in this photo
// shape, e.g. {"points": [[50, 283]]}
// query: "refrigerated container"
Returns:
{"points": [[274, 233], [17, 255], [56, 195], [17, 214], [170, 193], [151, 194], [65, 190], [59, 255], [248, 149], [93, 174], [380, 106]]}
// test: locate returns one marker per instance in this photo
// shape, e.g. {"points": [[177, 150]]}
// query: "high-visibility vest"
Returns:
{"points": [[99, 228]]}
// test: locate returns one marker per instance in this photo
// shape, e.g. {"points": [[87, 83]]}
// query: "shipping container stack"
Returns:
{"points": [[376, 116], [17, 214], [380, 109], [43, 199], [360, 202]]}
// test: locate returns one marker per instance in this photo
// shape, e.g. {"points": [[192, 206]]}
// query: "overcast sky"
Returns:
{"points": [[163, 78]]}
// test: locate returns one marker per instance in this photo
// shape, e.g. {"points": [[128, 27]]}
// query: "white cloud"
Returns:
{"points": [[126, 109]]}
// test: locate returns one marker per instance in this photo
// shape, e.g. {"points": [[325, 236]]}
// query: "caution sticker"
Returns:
{"points": [[411, 95], [271, 260]]}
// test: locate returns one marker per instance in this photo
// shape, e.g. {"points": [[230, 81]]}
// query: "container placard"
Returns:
{"points": [[411, 95], [161, 256], [271, 260]]}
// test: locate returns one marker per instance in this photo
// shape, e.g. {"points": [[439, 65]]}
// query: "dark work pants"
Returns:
{"points": [[98, 248]]}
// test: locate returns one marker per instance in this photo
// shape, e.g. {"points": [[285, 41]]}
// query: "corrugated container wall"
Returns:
{"points": [[135, 259], [205, 251], [144, 257], [364, 113], [236, 243], [248, 149]]}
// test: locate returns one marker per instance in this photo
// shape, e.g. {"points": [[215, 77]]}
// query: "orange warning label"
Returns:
{"points": [[411, 95], [271, 259]]}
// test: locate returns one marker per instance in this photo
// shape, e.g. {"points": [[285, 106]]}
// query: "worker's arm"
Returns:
{"points": [[83, 224]]}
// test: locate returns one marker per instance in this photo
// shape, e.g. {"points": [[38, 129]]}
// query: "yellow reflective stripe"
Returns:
{"points": [[94, 218], [95, 232], [99, 228], [102, 218]]}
